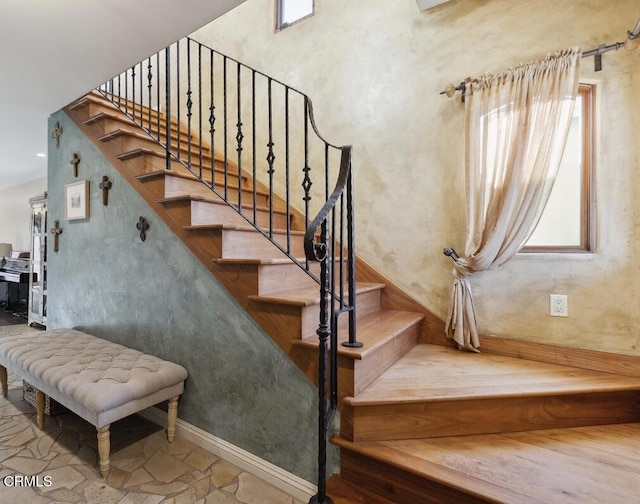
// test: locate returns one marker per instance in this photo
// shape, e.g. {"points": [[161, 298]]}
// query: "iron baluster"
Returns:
{"points": [[149, 86], [286, 166], [253, 139], [167, 85], [334, 313], [133, 92], [200, 109], [270, 157], [341, 252], [178, 107], [212, 120], [189, 105], [158, 92], [126, 95], [351, 263], [306, 182], [141, 78], [324, 333], [224, 110], [239, 136]]}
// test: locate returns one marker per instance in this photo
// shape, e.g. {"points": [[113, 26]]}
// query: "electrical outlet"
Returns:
{"points": [[558, 305]]}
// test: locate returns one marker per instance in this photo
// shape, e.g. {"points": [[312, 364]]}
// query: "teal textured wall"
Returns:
{"points": [[156, 297]]}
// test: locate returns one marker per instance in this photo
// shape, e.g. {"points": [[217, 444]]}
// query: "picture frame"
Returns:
{"points": [[76, 200]]}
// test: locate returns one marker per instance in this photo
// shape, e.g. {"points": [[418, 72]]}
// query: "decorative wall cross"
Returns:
{"points": [[105, 185], [56, 230], [75, 161], [55, 134], [142, 226]]}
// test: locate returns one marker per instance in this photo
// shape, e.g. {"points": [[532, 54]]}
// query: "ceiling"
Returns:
{"points": [[52, 52]]}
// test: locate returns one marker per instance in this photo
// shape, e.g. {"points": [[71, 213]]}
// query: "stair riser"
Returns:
{"points": [[366, 302], [102, 125], [148, 163], [358, 374], [492, 415], [175, 186], [125, 143], [94, 107], [291, 322], [195, 213], [247, 245], [269, 278], [233, 244], [280, 277], [397, 485], [203, 213]]}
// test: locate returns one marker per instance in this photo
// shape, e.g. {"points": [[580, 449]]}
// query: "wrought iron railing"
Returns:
{"points": [[228, 123]]}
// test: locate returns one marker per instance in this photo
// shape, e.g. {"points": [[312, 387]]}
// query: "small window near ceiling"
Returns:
{"points": [[567, 222], [291, 11]]}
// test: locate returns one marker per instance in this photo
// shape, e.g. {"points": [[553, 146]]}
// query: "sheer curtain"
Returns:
{"points": [[516, 128]]}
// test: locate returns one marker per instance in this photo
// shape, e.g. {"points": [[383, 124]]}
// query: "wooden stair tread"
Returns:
{"points": [[190, 176], [99, 98], [570, 465], [189, 197], [159, 153], [234, 227], [115, 115], [136, 132], [118, 115], [437, 373], [307, 296], [374, 329], [259, 261], [197, 154]]}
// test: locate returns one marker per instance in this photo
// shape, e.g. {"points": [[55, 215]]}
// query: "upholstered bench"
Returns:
{"points": [[98, 380]]}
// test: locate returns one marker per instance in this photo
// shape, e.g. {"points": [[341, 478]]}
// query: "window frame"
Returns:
{"points": [[587, 191], [280, 25]]}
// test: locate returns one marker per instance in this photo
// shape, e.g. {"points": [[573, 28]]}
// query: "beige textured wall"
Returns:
{"points": [[374, 69]]}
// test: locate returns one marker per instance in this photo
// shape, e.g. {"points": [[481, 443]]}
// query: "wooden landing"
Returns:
{"points": [[433, 372], [435, 391], [573, 465]]}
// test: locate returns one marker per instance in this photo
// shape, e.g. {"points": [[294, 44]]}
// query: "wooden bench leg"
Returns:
{"points": [[104, 447], [172, 417], [40, 401], [4, 381]]}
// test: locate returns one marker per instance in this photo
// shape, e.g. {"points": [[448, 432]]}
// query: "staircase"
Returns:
{"points": [[420, 421]]}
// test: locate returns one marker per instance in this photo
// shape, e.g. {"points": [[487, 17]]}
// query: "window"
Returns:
{"points": [[289, 12], [567, 222]]}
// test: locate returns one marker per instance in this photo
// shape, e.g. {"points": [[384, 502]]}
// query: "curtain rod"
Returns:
{"points": [[631, 43]]}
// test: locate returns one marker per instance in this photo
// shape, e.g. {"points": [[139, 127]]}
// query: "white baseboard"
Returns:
{"points": [[283, 480]]}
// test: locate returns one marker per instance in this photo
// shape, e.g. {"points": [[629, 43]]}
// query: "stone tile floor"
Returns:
{"points": [[145, 468]]}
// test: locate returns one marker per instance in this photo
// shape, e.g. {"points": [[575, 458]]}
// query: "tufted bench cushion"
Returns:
{"points": [[99, 380]]}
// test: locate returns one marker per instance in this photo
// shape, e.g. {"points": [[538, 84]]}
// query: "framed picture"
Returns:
{"points": [[76, 200]]}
